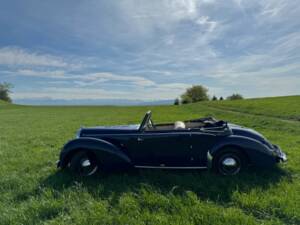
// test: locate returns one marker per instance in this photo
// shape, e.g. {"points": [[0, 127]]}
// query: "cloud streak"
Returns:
{"points": [[164, 91], [13, 56]]}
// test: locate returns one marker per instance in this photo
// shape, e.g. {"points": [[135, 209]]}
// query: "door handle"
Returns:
{"points": [[139, 139]]}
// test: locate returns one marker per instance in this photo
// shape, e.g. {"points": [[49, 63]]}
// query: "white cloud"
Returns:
{"points": [[163, 91], [68, 93], [272, 8], [45, 74], [88, 79], [95, 78], [13, 56], [84, 80], [206, 22]]}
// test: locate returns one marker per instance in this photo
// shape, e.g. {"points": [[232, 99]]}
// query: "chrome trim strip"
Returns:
{"points": [[135, 134], [147, 134], [171, 167]]}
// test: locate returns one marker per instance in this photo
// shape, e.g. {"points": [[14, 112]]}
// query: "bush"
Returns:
{"points": [[185, 99], [177, 101], [235, 97], [214, 98], [196, 93], [4, 91]]}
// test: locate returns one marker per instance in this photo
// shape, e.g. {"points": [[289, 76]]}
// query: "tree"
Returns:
{"points": [[185, 99], [214, 98], [235, 97], [177, 101], [5, 89], [196, 93], [221, 98]]}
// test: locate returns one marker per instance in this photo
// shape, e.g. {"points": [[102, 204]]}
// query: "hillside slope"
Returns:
{"points": [[3, 102], [283, 107]]}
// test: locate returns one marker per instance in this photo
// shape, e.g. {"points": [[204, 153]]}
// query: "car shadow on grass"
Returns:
{"points": [[207, 185]]}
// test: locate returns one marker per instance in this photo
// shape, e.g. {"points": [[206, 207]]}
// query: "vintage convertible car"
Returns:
{"points": [[194, 144]]}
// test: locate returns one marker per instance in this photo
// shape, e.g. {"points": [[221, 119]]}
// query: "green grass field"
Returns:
{"points": [[33, 191], [282, 107]]}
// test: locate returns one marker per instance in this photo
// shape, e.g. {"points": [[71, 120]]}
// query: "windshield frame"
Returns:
{"points": [[145, 121]]}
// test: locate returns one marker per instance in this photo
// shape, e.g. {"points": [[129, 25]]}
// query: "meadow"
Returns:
{"points": [[33, 191]]}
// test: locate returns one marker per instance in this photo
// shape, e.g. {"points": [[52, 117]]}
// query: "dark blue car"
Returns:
{"points": [[194, 144]]}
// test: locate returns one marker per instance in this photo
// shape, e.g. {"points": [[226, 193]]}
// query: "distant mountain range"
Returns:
{"points": [[49, 101]]}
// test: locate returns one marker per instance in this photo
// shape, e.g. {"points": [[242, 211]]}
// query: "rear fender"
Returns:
{"points": [[109, 155], [257, 153]]}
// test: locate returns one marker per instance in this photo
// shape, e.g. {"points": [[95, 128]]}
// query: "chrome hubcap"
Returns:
{"points": [[230, 166], [86, 163], [87, 167], [231, 162]]}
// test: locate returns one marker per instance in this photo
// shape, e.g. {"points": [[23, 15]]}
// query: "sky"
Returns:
{"points": [[89, 50]]}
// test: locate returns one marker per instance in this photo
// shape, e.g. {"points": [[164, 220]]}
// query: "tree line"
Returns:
{"points": [[198, 93]]}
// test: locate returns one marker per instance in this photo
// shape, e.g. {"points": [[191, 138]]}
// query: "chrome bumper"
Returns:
{"points": [[280, 155]]}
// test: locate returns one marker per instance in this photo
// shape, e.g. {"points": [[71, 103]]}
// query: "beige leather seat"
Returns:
{"points": [[179, 125]]}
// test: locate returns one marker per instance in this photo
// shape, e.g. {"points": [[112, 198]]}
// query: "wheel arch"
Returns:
{"points": [[256, 153], [105, 152]]}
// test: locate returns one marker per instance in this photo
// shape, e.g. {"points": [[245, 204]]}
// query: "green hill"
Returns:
{"points": [[33, 191], [283, 107], [3, 102]]}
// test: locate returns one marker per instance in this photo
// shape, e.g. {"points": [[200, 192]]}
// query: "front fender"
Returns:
{"points": [[106, 153], [257, 153]]}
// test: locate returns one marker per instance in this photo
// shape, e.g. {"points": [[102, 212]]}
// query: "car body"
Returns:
{"points": [[193, 144]]}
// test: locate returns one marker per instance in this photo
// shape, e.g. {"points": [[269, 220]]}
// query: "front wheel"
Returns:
{"points": [[83, 164], [229, 162]]}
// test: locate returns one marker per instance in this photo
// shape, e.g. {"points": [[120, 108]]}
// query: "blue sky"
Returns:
{"points": [[149, 50]]}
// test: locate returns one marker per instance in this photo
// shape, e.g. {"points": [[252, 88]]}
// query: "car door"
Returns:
{"points": [[136, 150], [201, 142], [164, 149]]}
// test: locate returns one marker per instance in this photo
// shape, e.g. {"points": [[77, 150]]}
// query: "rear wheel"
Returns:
{"points": [[83, 164], [229, 161]]}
